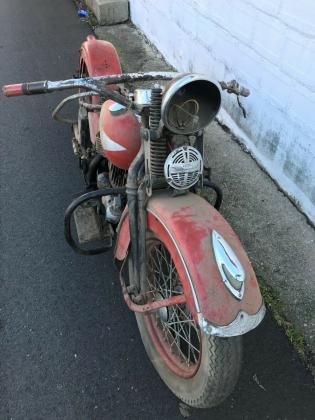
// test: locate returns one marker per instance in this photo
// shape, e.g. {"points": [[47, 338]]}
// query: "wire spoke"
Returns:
{"points": [[176, 323], [183, 338], [175, 341], [182, 328], [180, 322]]}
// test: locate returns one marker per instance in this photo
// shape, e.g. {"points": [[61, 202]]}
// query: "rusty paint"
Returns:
{"points": [[190, 221], [123, 237], [13, 90], [123, 131], [100, 58], [153, 306]]}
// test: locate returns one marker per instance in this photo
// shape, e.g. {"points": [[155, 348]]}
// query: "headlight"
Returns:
{"points": [[190, 103]]}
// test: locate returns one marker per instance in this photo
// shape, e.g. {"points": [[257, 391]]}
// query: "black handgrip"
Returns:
{"points": [[35, 88]]}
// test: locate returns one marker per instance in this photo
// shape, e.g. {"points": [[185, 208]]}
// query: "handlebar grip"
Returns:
{"points": [[233, 87], [32, 88], [243, 91], [13, 90]]}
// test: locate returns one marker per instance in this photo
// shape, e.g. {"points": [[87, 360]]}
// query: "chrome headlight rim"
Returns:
{"points": [[175, 85]]}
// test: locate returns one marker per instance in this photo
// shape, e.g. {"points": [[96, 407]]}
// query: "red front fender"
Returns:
{"points": [[185, 224]]}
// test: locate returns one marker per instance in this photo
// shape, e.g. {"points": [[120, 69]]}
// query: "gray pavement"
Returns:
{"points": [[69, 348]]}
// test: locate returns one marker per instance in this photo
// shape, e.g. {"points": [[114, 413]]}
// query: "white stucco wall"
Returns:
{"points": [[268, 46]]}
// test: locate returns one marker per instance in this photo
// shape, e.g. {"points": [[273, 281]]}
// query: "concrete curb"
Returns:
{"points": [[109, 12], [276, 236]]}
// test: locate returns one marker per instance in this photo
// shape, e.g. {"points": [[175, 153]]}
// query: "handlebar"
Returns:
{"points": [[19, 89], [97, 84], [93, 84], [244, 91], [13, 90], [100, 85], [234, 87]]}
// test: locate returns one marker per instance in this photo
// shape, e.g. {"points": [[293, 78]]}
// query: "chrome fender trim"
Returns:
{"points": [[239, 326]]}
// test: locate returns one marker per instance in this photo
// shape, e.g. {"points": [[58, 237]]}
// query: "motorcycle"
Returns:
{"points": [[182, 268]]}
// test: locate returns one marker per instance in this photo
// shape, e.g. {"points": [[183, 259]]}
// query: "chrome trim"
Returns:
{"points": [[142, 96], [177, 84], [230, 268], [239, 326], [183, 167]]}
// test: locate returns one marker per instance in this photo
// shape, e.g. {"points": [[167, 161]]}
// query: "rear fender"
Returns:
{"points": [[185, 225], [100, 58]]}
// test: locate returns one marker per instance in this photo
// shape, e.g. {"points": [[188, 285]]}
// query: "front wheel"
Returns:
{"points": [[201, 370]]}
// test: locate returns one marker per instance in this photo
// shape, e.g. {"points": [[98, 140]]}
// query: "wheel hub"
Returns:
{"points": [[162, 313]]}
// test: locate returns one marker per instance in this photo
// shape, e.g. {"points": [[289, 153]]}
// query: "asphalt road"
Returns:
{"points": [[69, 348]]}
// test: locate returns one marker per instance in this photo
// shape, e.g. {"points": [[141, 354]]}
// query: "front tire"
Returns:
{"points": [[200, 370]]}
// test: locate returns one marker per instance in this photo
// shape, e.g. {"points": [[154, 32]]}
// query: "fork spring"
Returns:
{"points": [[158, 154], [155, 108]]}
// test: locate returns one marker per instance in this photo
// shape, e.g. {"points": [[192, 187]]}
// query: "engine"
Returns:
{"points": [[173, 119]]}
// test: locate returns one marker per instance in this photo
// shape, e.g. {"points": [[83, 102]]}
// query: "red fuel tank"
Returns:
{"points": [[120, 134]]}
